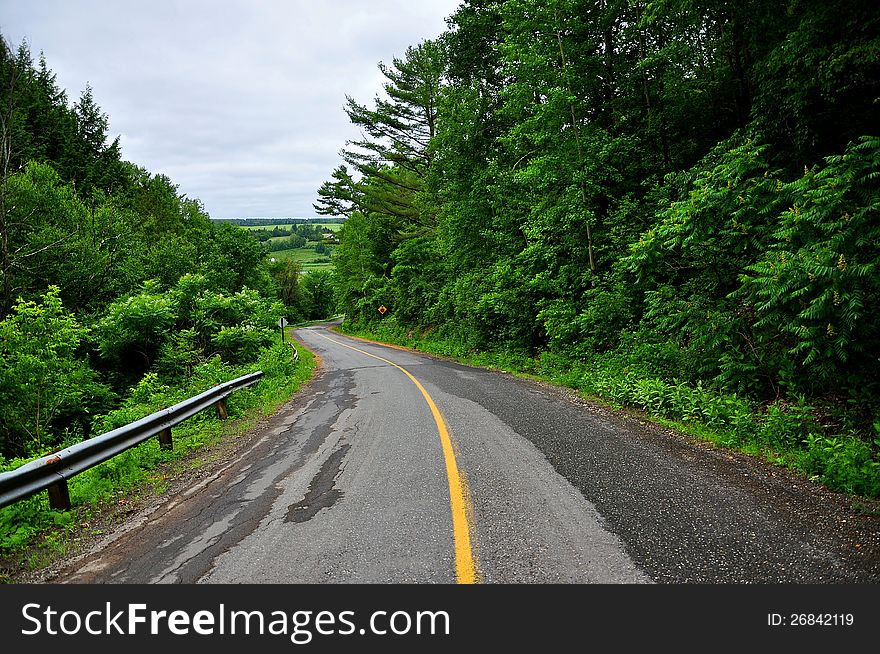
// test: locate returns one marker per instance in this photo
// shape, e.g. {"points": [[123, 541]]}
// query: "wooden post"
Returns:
{"points": [[222, 412], [165, 439], [59, 496]]}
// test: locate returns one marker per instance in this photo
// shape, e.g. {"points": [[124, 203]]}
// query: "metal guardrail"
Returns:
{"points": [[52, 471]]}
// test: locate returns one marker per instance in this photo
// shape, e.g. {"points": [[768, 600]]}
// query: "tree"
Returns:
{"points": [[288, 275], [393, 157], [341, 197], [318, 289], [816, 88], [134, 328], [362, 256], [688, 265], [11, 74], [235, 260]]}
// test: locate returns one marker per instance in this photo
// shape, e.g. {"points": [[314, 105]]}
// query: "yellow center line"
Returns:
{"points": [[459, 500]]}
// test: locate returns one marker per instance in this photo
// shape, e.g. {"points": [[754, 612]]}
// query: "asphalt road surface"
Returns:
{"points": [[395, 467]]}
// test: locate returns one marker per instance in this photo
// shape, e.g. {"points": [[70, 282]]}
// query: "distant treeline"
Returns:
{"points": [[270, 222]]}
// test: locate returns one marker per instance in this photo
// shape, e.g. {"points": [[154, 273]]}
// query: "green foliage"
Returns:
{"points": [[212, 310], [173, 330], [22, 522], [234, 261], [597, 327], [320, 300], [179, 355], [816, 89], [505, 311], [288, 276], [846, 464], [416, 278], [360, 262], [134, 328], [171, 257], [689, 263], [241, 343], [392, 158], [50, 239], [46, 390]]}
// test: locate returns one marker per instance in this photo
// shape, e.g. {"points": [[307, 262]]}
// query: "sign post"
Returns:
{"points": [[382, 310], [282, 323]]}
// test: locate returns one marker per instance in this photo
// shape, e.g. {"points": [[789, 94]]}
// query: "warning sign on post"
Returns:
{"points": [[382, 309]]}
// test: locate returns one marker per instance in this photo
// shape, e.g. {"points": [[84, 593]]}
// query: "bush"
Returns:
{"points": [[241, 343]]}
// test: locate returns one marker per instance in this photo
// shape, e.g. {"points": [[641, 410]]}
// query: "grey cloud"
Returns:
{"points": [[239, 103]]}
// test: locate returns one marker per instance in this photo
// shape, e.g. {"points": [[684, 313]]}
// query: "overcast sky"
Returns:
{"points": [[239, 102]]}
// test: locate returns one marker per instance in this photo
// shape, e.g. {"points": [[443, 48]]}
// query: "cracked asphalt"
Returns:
{"points": [[347, 484]]}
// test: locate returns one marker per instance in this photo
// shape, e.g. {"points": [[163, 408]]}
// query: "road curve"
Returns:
{"points": [[354, 481]]}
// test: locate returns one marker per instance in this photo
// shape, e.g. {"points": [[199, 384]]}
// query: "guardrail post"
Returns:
{"points": [[165, 439], [222, 412], [59, 496]]}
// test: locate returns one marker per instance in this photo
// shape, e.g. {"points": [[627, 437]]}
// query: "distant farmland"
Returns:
{"points": [[307, 257]]}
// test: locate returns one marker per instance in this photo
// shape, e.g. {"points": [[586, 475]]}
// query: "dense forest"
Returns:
{"points": [[675, 199], [118, 294]]}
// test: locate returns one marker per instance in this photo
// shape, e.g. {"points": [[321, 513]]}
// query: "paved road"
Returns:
{"points": [[394, 467]]}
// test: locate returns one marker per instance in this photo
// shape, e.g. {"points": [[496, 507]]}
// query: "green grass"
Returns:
{"points": [[307, 257]]}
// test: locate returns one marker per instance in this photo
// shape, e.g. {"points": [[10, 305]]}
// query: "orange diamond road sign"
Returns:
{"points": [[382, 309]]}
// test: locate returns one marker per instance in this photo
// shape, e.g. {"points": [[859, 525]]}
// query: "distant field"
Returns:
{"points": [[306, 257], [281, 238]]}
